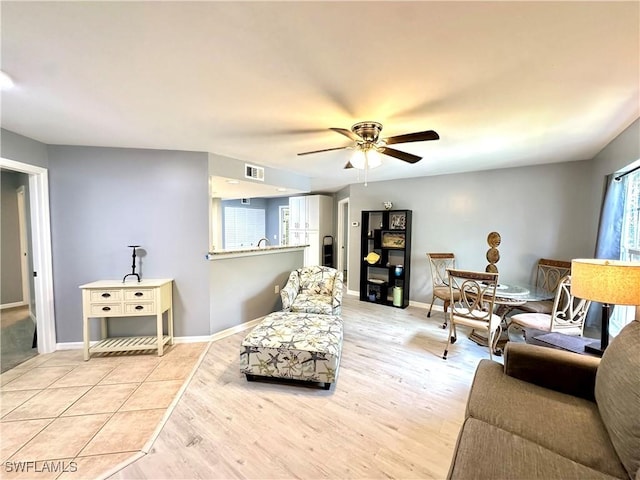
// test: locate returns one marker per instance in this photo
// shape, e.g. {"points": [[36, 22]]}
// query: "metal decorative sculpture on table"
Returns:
{"points": [[133, 265]]}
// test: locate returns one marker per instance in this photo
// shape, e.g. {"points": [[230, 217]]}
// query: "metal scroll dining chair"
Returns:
{"points": [[548, 276], [439, 263], [567, 316], [473, 305]]}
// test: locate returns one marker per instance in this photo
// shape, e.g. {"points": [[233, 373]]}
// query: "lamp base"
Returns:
{"points": [[594, 349]]}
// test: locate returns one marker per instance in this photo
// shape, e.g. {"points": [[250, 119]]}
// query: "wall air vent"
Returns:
{"points": [[251, 171]]}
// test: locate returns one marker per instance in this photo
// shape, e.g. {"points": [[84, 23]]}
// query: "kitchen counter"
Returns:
{"points": [[246, 252]]}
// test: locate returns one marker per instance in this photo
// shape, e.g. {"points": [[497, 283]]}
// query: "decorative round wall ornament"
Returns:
{"points": [[493, 255], [491, 268], [494, 239]]}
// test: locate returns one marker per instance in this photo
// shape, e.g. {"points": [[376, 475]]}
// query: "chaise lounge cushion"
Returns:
{"points": [[300, 346]]}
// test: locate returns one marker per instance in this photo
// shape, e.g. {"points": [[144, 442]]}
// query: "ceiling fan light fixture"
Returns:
{"points": [[362, 160]]}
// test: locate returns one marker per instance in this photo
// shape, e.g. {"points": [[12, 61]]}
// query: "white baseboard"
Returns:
{"points": [[4, 306], [192, 339], [412, 303], [72, 345], [189, 339], [233, 330]]}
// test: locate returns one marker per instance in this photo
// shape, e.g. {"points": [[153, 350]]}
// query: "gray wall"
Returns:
{"points": [[22, 149], [222, 166], [10, 255], [273, 218], [103, 199], [539, 211], [242, 289]]}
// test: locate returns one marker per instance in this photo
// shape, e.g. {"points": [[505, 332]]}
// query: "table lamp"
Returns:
{"points": [[609, 282]]}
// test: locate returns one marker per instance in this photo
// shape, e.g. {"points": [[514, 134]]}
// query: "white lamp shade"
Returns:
{"points": [[612, 282], [358, 160]]}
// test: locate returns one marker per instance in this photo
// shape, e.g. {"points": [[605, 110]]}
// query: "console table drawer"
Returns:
{"points": [[106, 295], [106, 309], [139, 294], [139, 308]]}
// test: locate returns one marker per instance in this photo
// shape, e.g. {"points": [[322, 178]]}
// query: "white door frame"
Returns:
{"points": [[41, 246], [24, 246], [343, 263]]}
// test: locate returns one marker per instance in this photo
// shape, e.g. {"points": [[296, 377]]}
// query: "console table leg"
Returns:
{"points": [[159, 332], [85, 336], [170, 324]]}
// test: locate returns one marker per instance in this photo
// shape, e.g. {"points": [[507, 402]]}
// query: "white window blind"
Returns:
{"points": [[243, 227]]}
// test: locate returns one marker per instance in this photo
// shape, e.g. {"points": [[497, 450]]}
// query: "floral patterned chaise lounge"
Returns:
{"points": [[313, 290], [295, 346]]}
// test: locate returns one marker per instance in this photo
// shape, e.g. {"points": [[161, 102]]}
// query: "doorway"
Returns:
{"points": [[17, 324], [40, 261], [343, 238]]}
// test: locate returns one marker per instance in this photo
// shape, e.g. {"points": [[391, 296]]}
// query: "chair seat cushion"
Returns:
{"points": [[567, 425], [539, 321], [312, 303]]}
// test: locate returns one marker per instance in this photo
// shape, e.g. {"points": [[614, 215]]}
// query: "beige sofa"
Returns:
{"points": [[551, 414]]}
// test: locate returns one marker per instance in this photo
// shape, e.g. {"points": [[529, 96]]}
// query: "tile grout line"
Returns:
{"points": [[147, 446]]}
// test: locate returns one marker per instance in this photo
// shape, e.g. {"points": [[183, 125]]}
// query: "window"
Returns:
{"points": [[629, 243], [243, 227]]}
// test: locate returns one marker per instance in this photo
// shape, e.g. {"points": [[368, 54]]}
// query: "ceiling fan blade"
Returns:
{"points": [[347, 133], [407, 157], [413, 137], [324, 150]]}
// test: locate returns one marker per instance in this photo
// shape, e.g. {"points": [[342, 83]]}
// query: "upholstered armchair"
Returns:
{"points": [[313, 290]]}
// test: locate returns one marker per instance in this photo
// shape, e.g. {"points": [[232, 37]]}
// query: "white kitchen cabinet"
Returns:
{"points": [[310, 220]]}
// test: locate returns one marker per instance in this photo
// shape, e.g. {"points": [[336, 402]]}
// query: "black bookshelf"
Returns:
{"points": [[387, 233]]}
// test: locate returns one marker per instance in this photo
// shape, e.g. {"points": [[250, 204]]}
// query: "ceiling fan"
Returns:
{"points": [[366, 136]]}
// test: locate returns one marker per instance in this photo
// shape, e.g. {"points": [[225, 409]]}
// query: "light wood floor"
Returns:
{"points": [[394, 412]]}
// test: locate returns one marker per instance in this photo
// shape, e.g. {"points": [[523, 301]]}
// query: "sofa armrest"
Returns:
{"points": [[558, 370], [290, 290]]}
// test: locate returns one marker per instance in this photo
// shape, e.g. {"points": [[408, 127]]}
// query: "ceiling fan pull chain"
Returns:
{"points": [[366, 166]]}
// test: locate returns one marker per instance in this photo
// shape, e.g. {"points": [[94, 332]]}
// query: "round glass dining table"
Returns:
{"points": [[508, 297]]}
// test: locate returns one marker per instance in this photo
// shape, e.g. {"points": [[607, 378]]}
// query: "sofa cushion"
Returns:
{"points": [[567, 425], [618, 395], [487, 452]]}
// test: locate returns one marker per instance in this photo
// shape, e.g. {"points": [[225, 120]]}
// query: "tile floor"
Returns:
{"points": [[79, 419]]}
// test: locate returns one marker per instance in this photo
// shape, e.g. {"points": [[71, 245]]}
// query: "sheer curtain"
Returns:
{"points": [[609, 238]]}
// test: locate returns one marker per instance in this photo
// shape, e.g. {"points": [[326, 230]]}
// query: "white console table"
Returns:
{"points": [[113, 298]]}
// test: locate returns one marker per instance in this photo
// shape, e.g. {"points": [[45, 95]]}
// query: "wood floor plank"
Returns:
{"points": [[395, 410]]}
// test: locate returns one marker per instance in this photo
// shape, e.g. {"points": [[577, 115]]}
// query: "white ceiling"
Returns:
{"points": [[503, 83]]}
